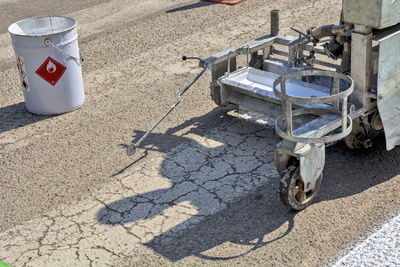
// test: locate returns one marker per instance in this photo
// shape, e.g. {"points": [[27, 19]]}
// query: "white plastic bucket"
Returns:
{"points": [[49, 64]]}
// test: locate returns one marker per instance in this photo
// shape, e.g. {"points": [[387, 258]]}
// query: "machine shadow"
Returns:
{"points": [[252, 210], [348, 172], [190, 6], [15, 116], [249, 220], [245, 223]]}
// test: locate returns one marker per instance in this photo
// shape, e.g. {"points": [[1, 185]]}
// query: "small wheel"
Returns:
{"points": [[291, 189]]}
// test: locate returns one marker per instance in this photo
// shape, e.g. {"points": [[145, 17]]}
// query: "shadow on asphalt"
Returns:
{"points": [[245, 222], [348, 172], [191, 6], [248, 219], [15, 116]]}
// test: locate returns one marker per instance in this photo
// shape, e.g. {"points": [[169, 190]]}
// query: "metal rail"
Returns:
{"points": [[132, 148]]}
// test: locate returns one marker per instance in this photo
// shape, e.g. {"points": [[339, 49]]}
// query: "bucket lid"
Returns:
{"points": [[42, 26]]}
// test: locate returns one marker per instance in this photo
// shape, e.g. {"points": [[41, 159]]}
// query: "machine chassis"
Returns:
{"points": [[300, 157]]}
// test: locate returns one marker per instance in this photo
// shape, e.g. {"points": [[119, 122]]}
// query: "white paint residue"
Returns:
{"points": [[380, 249]]}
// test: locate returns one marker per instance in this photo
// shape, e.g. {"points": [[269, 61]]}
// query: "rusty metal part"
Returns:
{"points": [[359, 136], [329, 30], [321, 32], [275, 22]]}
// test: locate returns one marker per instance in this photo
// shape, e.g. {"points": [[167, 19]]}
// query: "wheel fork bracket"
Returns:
{"points": [[311, 159]]}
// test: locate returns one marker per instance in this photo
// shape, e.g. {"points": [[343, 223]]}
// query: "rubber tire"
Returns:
{"points": [[286, 187]]}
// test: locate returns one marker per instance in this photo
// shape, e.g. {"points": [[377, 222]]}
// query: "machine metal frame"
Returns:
{"points": [[335, 101]]}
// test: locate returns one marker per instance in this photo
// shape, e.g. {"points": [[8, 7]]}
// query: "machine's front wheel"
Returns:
{"points": [[291, 189]]}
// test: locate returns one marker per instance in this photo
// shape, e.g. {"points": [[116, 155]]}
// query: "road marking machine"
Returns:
{"points": [[332, 82]]}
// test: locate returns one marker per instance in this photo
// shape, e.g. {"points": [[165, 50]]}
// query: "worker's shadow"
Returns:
{"points": [[232, 184]]}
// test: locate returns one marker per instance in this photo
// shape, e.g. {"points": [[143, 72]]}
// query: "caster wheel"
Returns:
{"points": [[291, 189]]}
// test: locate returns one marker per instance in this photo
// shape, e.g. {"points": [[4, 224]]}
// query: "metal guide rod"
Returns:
{"points": [[179, 99]]}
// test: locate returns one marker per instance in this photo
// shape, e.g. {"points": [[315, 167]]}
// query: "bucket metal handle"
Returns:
{"points": [[47, 41]]}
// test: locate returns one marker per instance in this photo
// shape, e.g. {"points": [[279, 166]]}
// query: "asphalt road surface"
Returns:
{"points": [[205, 193]]}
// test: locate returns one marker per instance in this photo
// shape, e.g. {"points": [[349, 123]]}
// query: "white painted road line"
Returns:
{"points": [[380, 249]]}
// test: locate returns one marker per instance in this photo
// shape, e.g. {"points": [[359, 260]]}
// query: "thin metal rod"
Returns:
{"points": [[179, 99], [301, 33], [289, 118], [344, 114], [248, 55], [229, 62], [336, 88], [287, 109]]}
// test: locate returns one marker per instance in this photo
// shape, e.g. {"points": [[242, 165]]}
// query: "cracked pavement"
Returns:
{"points": [[152, 199]]}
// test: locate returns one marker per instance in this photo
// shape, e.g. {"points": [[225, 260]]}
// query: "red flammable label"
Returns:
{"points": [[51, 71]]}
